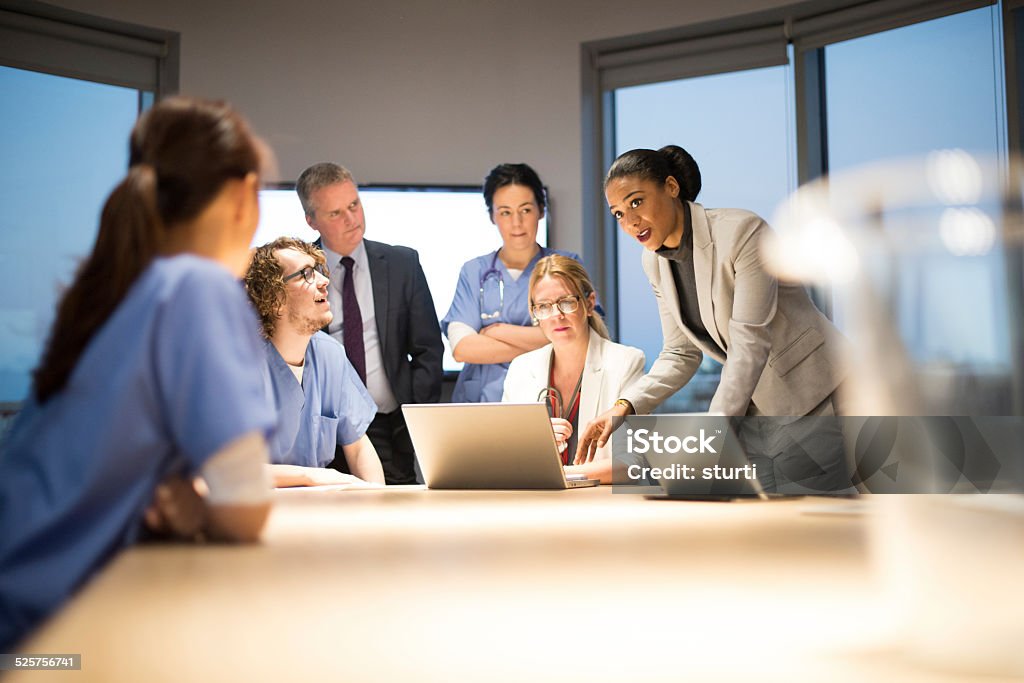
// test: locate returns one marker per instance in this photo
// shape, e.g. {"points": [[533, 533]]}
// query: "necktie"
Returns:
{"points": [[352, 326]]}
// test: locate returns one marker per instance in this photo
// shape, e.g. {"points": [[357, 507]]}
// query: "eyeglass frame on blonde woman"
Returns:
{"points": [[546, 310]]}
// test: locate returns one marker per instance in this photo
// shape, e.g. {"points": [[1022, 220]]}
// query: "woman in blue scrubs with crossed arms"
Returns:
{"points": [[150, 371], [489, 321]]}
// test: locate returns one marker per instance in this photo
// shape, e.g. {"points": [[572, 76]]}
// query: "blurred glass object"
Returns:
{"points": [[921, 256], [931, 91]]}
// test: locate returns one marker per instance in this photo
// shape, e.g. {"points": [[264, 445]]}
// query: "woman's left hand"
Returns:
{"points": [[563, 431]]}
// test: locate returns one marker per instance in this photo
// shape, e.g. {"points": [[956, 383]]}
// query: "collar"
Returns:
{"points": [[494, 259], [699, 225], [594, 355], [592, 363], [286, 382], [358, 255], [685, 249]]}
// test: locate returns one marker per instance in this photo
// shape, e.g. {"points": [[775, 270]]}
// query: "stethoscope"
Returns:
{"points": [[494, 275], [551, 397]]}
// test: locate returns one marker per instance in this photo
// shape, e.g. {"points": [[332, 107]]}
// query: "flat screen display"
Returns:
{"points": [[447, 225]]}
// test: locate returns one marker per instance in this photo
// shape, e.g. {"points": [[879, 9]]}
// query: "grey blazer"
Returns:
{"points": [[782, 354]]}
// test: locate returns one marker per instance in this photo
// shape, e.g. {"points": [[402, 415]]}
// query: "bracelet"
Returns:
{"points": [[627, 405]]}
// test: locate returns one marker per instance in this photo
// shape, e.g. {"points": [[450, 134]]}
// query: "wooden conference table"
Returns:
{"points": [[406, 584]]}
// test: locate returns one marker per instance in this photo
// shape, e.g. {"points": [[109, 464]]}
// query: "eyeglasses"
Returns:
{"points": [[566, 305], [307, 273]]}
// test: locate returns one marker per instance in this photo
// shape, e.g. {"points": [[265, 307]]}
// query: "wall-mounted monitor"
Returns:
{"points": [[447, 225]]}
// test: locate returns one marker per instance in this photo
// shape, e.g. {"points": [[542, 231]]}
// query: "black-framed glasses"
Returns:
{"points": [[567, 305], [307, 273]]}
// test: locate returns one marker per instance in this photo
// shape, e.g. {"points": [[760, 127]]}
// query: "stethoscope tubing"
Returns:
{"points": [[495, 273]]}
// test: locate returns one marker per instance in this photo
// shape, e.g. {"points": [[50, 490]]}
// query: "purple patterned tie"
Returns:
{"points": [[352, 325]]}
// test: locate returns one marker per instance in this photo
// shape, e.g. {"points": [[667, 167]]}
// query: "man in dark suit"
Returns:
{"points": [[383, 314]]}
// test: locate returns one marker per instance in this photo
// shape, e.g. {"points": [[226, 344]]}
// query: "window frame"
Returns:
{"points": [[35, 36]]}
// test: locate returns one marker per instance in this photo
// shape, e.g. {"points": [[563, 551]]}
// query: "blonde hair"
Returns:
{"points": [[572, 273]]}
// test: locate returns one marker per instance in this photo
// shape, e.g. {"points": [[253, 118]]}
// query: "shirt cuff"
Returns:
{"points": [[457, 332]]}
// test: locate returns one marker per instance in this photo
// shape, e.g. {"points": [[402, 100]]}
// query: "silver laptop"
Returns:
{"points": [[487, 446]]}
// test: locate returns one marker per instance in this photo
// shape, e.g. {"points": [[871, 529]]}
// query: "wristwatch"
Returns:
{"points": [[627, 405]]}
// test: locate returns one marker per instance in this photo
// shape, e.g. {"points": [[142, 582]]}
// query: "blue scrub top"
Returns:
{"points": [[331, 406], [484, 383], [164, 384]]}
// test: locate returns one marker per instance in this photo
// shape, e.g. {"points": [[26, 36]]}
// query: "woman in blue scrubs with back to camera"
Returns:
{"points": [[489, 321], [148, 374]]}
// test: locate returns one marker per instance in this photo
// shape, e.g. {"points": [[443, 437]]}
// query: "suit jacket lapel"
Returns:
{"points": [[380, 282], [541, 371], [703, 261], [667, 285]]}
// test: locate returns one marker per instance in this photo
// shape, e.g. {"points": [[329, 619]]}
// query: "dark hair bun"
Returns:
{"points": [[514, 174], [685, 170]]}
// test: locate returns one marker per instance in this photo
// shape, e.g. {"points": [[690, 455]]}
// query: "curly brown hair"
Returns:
{"points": [[264, 281]]}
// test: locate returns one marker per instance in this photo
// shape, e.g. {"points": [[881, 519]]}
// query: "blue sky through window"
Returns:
{"points": [[64, 144]]}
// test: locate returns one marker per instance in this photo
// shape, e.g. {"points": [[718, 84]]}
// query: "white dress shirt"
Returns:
{"points": [[376, 381]]}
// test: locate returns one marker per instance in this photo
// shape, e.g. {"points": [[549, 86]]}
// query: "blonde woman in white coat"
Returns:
{"points": [[580, 365]]}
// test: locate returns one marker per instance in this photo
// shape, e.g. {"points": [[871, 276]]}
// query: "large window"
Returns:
{"points": [[71, 87], [866, 83], [911, 90], [64, 150], [745, 158], [905, 93]]}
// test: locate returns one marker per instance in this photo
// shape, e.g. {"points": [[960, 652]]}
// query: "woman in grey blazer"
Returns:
{"points": [[780, 356]]}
